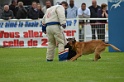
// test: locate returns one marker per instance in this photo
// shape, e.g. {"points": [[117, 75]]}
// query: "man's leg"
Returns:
{"points": [[60, 38], [51, 45]]}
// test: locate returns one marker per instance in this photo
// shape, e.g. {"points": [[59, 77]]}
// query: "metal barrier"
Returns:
{"points": [[89, 31]]}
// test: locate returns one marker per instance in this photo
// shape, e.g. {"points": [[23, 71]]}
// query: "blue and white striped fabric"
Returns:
{"points": [[63, 55]]}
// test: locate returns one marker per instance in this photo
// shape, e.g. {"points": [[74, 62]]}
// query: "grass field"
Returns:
{"points": [[29, 65]]}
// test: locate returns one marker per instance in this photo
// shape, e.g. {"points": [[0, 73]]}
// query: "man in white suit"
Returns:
{"points": [[53, 23]]}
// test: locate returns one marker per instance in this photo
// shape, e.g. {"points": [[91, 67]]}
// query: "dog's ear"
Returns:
{"points": [[74, 38]]}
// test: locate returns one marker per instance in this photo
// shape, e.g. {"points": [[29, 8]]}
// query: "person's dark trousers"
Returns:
{"points": [[101, 32], [93, 28], [81, 35]]}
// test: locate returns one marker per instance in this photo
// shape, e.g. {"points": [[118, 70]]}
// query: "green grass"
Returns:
{"points": [[29, 65]]}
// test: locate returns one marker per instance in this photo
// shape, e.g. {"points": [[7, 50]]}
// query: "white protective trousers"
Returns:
{"points": [[55, 33]]}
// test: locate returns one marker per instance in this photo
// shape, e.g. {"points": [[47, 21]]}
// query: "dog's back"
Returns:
{"points": [[89, 46]]}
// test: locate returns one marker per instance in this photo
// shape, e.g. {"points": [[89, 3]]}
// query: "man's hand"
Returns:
{"points": [[104, 10], [10, 17], [63, 25], [44, 28], [83, 14], [44, 32]]}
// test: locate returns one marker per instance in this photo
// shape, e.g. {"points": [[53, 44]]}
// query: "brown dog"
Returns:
{"points": [[85, 48]]}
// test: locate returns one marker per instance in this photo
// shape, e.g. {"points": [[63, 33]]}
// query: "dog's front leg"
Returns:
{"points": [[79, 53], [75, 57]]}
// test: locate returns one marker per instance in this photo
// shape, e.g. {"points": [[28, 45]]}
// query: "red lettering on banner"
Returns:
{"points": [[44, 42], [17, 35], [14, 43], [9, 34], [41, 34], [25, 34], [1, 34], [32, 34], [6, 35], [36, 34], [70, 32], [32, 42]]}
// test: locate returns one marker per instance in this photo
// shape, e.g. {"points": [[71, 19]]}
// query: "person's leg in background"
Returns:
{"points": [[101, 32], [93, 28], [81, 31]]}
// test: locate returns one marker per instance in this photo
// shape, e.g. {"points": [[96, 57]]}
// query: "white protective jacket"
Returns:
{"points": [[55, 14]]}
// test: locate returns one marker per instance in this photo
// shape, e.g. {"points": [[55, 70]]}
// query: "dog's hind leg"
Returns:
{"points": [[98, 51], [97, 56]]}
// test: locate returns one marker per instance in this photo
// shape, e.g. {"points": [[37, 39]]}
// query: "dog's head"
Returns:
{"points": [[71, 41]]}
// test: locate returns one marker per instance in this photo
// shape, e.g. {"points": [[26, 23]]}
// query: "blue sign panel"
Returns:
{"points": [[116, 23]]}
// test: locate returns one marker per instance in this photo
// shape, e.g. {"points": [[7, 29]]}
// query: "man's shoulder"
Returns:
{"points": [[22, 9], [10, 11], [79, 9], [73, 7], [55, 6], [58, 6], [44, 8], [98, 6], [90, 6], [93, 7], [87, 9], [11, 6], [30, 8]]}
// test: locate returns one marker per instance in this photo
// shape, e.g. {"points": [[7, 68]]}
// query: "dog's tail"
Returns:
{"points": [[114, 47]]}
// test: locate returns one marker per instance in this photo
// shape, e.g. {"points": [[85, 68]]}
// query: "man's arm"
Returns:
{"points": [[61, 14], [99, 13], [43, 24], [12, 16], [18, 15], [87, 15], [4, 17], [43, 20], [76, 11]]}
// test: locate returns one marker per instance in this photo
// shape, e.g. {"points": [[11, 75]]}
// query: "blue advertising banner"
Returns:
{"points": [[116, 23]]}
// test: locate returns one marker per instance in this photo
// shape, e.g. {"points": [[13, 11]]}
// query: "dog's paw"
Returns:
{"points": [[99, 57]]}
